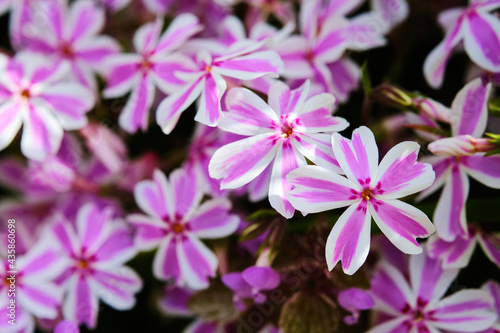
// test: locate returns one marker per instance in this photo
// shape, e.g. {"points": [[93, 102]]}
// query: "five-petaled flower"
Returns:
{"points": [[175, 221], [370, 190], [288, 130]]}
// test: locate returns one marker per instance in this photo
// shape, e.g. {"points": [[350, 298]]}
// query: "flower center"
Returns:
{"points": [[177, 228], [310, 56], [25, 93], [82, 264], [418, 316], [66, 50], [208, 68], [366, 194], [286, 130]]}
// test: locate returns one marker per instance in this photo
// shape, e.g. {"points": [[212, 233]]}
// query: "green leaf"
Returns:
{"points": [[310, 313], [365, 79], [214, 303], [493, 152]]}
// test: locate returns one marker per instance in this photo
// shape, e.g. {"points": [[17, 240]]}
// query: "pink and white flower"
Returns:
{"points": [[96, 247], [243, 61], [370, 190], [469, 117], [475, 28], [457, 253], [33, 94], [154, 65], [175, 221], [284, 132], [416, 305], [70, 35], [493, 288]]}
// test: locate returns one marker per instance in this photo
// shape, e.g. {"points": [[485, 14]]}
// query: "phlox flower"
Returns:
{"points": [[354, 300], [96, 247], [243, 60], [36, 293], [153, 65], [493, 288], [175, 221], [369, 190], [251, 283], [417, 304], [289, 129], [469, 117], [475, 28], [70, 35], [33, 94], [457, 253]]}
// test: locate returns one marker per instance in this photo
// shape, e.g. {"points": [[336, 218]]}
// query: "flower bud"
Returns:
{"points": [[432, 109], [392, 96], [462, 145]]}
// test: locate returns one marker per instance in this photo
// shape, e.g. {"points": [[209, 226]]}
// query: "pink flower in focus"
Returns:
{"points": [[370, 190], [154, 65], [288, 129], [32, 94], [175, 221], [477, 29], [97, 248]]}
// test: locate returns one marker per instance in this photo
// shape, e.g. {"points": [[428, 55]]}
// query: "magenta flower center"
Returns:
{"points": [[66, 50]]}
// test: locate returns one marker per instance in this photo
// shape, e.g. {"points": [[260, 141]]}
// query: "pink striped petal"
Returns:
{"points": [[43, 261], [166, 262], [397, 325], [454, 254], [332, 40], [493, 288], [209, 111], [149, 233], [40, 299], [465, 311], [95, 50], [10, 123], [258, 189], [387, 277], [317, 148], [80, 304], [399, 173], [349, 240], [185, 195], [239, 162], [151, 196], [293, 53], [481, 40], [401, 223], [285, 101], [397, 10], [178, 32], [116, 287], [86, 18], [91, 224], [117, 248], [449, 215], [490, 243], [318, 189], [487, 5], [66, 236], [470, 109], [287, 159], [441, 166], [357, 158], [251, 66], [135, 114], [146, 37], [175, 301], [166, 68], [123, 75], [308, 17], [171, 108], [316, 115], [367, 30], [485, 170], [42, 133], [212, 219], [197, 262], [158, 6], [345, 77], [70, 102], [247, 113], [342, 7], [435, 63], [428, 279]]}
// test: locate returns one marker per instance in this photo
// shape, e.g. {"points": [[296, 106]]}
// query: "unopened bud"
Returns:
{"points": [[392, 96], [462, 145], [432, 109]]}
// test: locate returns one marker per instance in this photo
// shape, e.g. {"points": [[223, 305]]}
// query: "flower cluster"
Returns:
{"points": [[193, 155]]}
